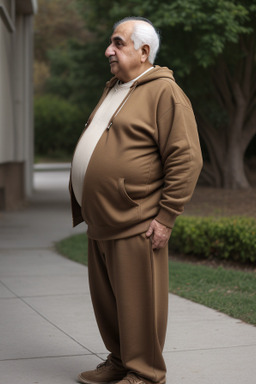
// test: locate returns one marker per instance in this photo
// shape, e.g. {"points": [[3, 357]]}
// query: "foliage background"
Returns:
{"points": [[210, 45]]}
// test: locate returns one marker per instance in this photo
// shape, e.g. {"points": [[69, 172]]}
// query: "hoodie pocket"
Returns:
{"points": [[124, 194]]}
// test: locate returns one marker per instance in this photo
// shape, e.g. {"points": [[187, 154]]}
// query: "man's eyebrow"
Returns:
{"points": [[117, 38]]}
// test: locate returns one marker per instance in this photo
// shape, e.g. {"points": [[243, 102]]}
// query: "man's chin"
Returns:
{"points": [[113, 64], [113, 69]]}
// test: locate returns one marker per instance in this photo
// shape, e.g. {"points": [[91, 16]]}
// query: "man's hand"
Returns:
{"points": [[159, 234]]}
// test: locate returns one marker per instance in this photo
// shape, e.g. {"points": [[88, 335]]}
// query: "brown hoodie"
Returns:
{"points": [[146, 163]]}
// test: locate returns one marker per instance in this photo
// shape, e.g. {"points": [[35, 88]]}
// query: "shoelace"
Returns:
{"points": [[103, 365], [132, 379]]}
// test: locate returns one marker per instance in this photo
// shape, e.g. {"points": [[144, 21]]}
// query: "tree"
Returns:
{"points": [[56, 23], [211, 45], [79, 72], [222, 46]]}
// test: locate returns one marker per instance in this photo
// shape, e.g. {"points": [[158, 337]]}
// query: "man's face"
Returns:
{"points": [[125, 61]]}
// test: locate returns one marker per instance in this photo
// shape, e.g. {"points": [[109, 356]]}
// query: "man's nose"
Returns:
{"points": [[109, 51]]}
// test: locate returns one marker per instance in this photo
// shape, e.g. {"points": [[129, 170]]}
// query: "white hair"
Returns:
{"points": [[143, 33]]}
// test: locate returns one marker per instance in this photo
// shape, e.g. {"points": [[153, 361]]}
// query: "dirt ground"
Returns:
{"points": [[208, 201]]}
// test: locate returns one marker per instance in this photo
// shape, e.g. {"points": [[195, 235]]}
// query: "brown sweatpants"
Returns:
{"points": [[129, 289]]}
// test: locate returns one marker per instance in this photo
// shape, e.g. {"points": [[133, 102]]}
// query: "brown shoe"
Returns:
{"points": [[131, 378], [103, 374]]}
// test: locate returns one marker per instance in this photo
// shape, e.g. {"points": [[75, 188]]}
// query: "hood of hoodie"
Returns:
{"points": [[155, 73]]}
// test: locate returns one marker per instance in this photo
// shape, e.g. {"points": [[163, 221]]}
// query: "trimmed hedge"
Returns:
{"points": [[232, 238]]}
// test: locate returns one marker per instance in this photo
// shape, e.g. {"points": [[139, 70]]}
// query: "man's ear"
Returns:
{"points": [[145, 50]]}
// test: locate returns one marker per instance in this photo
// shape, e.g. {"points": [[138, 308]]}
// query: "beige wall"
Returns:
{"points": [[16, 101], [6, 96], [12, 189]]}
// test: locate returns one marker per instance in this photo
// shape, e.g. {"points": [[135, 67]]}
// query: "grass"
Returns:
{"points": [[229, 291], [74, 248]]}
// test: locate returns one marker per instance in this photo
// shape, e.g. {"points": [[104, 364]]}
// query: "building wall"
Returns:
{"points": [[6, 95], [16, 101]]}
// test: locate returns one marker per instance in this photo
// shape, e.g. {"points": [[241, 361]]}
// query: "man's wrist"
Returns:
{"points": [[166, 218]]}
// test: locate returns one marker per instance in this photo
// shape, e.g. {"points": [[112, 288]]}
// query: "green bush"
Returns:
{"points": [[58, 124], [232, 238]]}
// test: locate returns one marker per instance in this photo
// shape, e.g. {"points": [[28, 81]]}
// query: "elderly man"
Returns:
{"points": [[134, 167]]}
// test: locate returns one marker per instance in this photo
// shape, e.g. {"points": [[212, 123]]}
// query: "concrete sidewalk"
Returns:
{"points": [[47, 329]]}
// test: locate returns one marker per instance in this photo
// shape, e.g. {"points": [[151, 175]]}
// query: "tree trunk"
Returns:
{"points": [[226, 167], [235, 92], [226, 150], [233, 163], [233, 167]]}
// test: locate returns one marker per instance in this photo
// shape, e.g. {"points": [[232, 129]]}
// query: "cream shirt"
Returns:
{"points": [[93, 133]]}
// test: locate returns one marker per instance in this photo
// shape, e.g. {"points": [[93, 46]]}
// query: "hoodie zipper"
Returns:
{"points": [[121, 105], [89, 121], [112, 118]]}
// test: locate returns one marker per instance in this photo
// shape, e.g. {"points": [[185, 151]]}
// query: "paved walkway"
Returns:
{"points": [[47, 328]]}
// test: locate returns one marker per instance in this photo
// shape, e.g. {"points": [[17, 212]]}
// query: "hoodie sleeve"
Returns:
{"points": [[180, 154]]}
